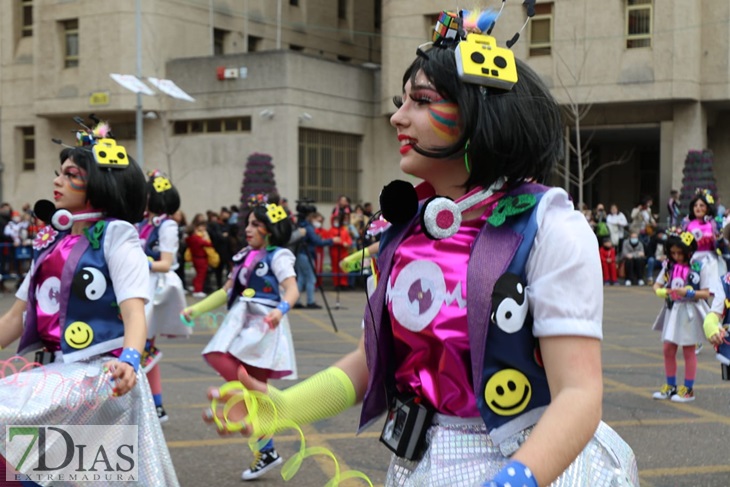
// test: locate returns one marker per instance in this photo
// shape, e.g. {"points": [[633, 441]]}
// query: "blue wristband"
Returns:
{"points": [[691, 293], [514, 473], [131, 357], [283, 307]]}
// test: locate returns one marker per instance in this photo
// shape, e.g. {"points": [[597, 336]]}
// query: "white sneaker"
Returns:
{"points": [[199, 295], [627, 283], [641, 282]]}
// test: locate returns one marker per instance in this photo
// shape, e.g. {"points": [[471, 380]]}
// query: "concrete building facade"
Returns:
{"points": [[311, 81]]}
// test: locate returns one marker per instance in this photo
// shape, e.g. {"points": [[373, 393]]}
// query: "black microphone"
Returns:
{"points": [[398, 202]]}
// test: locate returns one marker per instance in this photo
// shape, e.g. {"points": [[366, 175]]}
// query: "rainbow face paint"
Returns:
{"points": [[444, 118]]}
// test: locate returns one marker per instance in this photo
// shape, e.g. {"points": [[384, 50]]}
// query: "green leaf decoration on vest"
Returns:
{"points": [[511, 206], [94, 235]]}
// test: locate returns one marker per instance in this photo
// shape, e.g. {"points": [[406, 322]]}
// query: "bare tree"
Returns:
{"points": [[575, 112]]}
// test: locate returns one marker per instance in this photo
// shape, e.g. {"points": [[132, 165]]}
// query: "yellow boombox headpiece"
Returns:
{"points": [[108, 154], [479, 60], [276, 213]]}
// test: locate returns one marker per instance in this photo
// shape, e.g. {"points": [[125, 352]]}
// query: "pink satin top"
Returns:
{"points": [[426, 301], [679, 276], [48, 291], [704, 232]]}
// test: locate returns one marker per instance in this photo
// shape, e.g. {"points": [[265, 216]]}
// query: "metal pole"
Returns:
{"points": [[139, 117], [245, 27], [212, 29], [278, 25]]}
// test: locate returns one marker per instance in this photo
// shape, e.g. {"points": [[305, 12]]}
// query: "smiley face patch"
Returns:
{"points": [[508, 392], [78, 335]]}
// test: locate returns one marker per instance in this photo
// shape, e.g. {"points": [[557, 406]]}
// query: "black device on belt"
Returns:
{"points": [[44, 357], [405, 427]]}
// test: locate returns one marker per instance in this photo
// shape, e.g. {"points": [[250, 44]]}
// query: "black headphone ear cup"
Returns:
{"points": [[44, 210], [62, 220], [398, 202], [440, 218]]}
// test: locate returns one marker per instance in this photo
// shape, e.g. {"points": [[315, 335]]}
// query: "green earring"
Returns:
{"points": [[466, 156]]}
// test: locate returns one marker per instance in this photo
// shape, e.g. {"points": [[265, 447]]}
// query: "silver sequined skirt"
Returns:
{"points": [[80, 394], [463, 454]]}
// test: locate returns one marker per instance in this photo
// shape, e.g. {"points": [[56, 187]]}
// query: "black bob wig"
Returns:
{"points": [[119, 193], [516, 134]]}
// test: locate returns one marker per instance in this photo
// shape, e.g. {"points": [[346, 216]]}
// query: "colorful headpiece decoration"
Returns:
{"points": [[159, 181], [706, 194], [276, 213], [478, 58], [255, 200], [106, 152], [678, 235]]}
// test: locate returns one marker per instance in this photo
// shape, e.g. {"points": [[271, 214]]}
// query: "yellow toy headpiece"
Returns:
{"points": [[159, 182], [706, 194], [101, 141], [276, 213], [478, 58], [110, 155]]}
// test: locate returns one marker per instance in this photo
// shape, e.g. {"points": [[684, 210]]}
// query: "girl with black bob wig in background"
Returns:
{"points": [[255, 333], [158, 234]]}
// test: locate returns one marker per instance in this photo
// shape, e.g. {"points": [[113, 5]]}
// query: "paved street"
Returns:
{"points": [[676, 444]]}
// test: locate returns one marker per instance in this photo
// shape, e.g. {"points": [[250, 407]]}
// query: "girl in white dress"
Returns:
{"points": [[255, 333]]}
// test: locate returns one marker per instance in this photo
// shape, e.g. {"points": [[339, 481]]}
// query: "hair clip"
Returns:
{"points": [[276, 213]]}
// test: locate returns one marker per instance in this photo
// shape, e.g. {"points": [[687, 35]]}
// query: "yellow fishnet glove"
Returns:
{"points": [[661, 293], [323, 395], [711, 325], [353, 262], [210, 303]]}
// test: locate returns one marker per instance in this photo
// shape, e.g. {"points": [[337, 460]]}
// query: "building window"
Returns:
{"points": [[219, 41], [26, 18], [638, 23], [212, 126], [294, 3], [295, 47], [378, 15], [28, 147], [541, 30], [342, 9], [125, 130], [328, 165], [71, 44], [254, 43]]}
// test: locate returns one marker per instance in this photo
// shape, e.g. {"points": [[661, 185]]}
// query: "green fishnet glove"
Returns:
{"points": [[210, 303], [711, 325], [323, 395]]}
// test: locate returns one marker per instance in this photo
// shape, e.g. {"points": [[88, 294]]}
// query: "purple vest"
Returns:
{"points": [[492, 252]]}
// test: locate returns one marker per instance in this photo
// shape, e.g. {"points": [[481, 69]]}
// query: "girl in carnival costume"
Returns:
{"points": [[686, 287], [83, 301], [160, 240], [255, 333], [702, 224], [489, 301]]}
